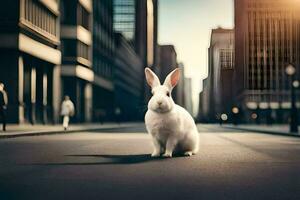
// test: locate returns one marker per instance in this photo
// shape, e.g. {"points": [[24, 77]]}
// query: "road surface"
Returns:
{"points": [[116, 164]]}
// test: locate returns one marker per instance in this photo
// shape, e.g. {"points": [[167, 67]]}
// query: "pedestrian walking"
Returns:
{"points": [[67, 111], [3, 105]]}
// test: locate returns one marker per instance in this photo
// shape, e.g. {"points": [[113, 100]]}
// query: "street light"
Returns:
{"points": [[235, 110], [290, 70], [224, 117], [296, 84]]}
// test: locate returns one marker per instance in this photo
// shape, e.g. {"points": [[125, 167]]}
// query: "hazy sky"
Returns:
{"points": [[187, 25]]}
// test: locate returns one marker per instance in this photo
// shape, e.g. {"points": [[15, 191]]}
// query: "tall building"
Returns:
{"points": [[103, 60], [30, 59], [266, 40], [125, 18], [218, 90], [128, 81], [137, 21], [76, 47], [188, 95], [180, 87]]}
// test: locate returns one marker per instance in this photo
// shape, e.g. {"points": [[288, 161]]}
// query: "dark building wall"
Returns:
{"points": [[227, 90], [103, 59], [240, 29], [30, 58], [128, 81], [8, 75]]}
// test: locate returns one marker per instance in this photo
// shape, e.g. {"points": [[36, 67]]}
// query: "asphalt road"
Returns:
{"points": [[116, 164]]}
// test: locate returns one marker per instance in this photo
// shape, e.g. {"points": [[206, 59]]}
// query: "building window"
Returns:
{"points": [[226, 58], [40, 18], [83, 50], [83, 17]]}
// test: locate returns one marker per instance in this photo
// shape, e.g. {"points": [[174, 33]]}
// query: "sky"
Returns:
{"points": [[187, 25]]}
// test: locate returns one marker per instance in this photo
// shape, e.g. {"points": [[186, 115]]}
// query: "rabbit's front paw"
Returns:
{"points": [[167, 155], [155, 154]]}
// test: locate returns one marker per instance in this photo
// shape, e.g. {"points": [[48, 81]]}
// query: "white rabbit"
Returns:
{"points": [[172, 128]]}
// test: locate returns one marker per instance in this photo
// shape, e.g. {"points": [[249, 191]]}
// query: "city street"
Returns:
{"points": [[116, 164]]}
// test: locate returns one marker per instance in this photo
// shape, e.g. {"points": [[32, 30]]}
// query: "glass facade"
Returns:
{"points": [[124, 18], [103, 39]]}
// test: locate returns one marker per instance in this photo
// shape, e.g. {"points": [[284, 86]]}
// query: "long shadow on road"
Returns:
{"points": [[110, 160]]}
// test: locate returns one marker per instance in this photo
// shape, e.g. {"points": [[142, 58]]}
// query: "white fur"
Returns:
{"points": [[171, 127]]}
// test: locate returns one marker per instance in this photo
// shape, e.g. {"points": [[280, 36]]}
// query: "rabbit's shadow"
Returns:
{"points": [[118, 159], [98, 159]]}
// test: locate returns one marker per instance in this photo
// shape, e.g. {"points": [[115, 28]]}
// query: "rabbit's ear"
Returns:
{"points": [[151, 78], [172, 79]]}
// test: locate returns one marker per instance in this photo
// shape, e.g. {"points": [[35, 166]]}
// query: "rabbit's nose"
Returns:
{"points": [[159, 103]]}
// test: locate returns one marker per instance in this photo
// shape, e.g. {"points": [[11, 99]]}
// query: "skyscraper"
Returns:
{"points": [[217, 91], [103, 60], [266, 40], [137, 21], [125, 18]]}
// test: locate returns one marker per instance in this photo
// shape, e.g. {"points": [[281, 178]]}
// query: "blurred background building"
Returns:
{"points": [[267, 39], [103, 61], [253, 81], [216, 97], [188, 103]]}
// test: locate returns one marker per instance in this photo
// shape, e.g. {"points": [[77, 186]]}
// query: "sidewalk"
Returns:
{"points": [[16, 130], [269, 129]]}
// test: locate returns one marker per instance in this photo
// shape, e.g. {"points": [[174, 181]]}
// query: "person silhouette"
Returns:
{"points": [[3, 105], [67, 111]]}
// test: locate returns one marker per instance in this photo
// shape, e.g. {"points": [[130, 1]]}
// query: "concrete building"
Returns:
{"points": [[103, 61], [188, 95], [180, 88], [30, 59], [128, 81], [266, 40], [217, 92]]}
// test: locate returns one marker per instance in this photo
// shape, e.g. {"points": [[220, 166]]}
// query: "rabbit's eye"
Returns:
{"points": [[168, 94]]}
